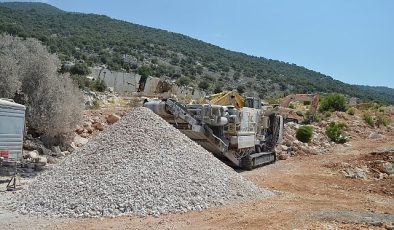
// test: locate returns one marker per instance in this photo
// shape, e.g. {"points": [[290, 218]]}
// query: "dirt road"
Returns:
{"points": [[309, 194]]}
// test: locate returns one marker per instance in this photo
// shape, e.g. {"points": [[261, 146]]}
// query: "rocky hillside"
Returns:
{"points": [[100, 40]]}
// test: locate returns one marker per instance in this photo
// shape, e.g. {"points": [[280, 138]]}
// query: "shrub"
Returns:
{"points": [[183, 81], [292, 106], [335, 132], [333, 102], [304, 133], [351, 111], [204, 85], [80, 69], [241, 89], [382, 119], [368, 119], [82, 81], [218, 89], [95, 104], [99, 85]]}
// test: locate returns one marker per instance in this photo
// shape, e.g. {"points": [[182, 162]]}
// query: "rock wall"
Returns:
{"points": [[124, 83]]}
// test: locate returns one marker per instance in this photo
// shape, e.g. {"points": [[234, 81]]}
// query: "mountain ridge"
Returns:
{"points": [[120, 45]]}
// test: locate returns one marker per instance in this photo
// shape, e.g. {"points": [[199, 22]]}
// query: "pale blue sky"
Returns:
{"points": [[350, 40]]}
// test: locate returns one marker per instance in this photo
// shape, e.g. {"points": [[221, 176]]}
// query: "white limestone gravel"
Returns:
{"points": [[141, 165]]}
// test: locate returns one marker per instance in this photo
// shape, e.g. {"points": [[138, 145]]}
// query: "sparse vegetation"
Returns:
{"points": [[368, 119], [333, 102], [85, 83], [292, 106], [382, 119], [304, 133], [95, 104], [351, 111], [335, 131]]}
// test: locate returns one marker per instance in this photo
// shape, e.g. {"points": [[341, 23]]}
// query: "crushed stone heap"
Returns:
{"points": [[141, 165]]}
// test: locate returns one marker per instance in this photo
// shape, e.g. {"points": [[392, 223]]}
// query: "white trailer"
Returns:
{"points": [[12, 125]]}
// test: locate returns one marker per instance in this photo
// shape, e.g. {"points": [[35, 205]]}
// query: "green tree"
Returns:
{"points": [[333, 102], [204, 85], [145, 71]]}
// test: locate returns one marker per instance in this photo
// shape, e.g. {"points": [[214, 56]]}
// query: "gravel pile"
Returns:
{"points": [[141, 165]]}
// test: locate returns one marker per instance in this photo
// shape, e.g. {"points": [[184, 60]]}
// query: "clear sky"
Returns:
{"points": [[350, 40]]}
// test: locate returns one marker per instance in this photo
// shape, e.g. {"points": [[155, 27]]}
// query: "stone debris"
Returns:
{"points": [[319, 144], [141, 165]]}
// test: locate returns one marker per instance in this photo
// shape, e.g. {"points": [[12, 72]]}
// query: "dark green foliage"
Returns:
{"points": [[145, 71], [333, 102], [185, 81], [241, 89], [82, 81], [218, 89], [80, 69], [99, 85], [97, 39], [204, 85], [304, 133], [335, 131]]}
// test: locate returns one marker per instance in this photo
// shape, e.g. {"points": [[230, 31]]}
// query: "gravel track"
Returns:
{"points": [[141, 165]]}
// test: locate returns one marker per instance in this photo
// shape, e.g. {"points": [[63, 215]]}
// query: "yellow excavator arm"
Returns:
{"points": [[227, 98]]}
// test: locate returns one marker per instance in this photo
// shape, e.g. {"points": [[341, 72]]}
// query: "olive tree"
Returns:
{"points": [[54, 104]]}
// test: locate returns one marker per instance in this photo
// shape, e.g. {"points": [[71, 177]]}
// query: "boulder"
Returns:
{"points": [[30, 154], [89, 129], [42, 159], [56, 150], [375, 136], [79, 129], [98, 126], [87, 124], [36, 145], [80, 141], [96, 119], [360, 173], [283, 156], [388, 168], [113, 118]]}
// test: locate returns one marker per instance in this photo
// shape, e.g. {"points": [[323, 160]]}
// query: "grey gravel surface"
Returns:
{"points": [[141, 165]]}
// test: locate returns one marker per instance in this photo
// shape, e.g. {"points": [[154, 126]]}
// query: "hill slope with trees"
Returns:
{"points": [[123, 46]]}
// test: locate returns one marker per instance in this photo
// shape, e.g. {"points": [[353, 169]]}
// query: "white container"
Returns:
{"points": [[12, 125]]}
